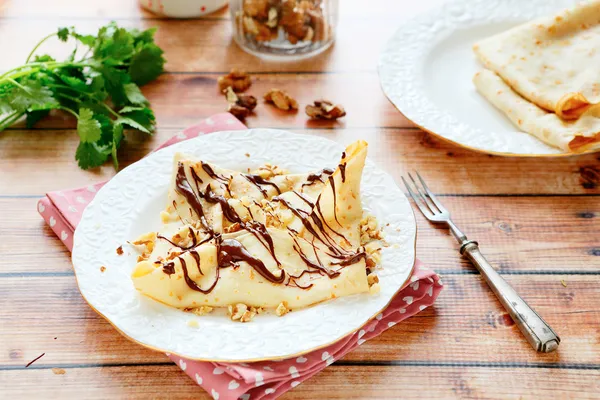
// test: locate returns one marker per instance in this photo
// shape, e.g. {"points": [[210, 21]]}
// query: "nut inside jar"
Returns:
{"points": [[283, 26]]}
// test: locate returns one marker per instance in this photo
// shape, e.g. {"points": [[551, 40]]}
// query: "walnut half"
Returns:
{"points": [[323, 109], [281, 99], [240, 105], [238, 80]]}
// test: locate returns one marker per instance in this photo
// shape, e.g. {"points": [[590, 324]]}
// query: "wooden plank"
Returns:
{"points": [[117, 9], [532, 235], [206, 45], [181, 100], [36, 162], [467, 324], [338, 382]]}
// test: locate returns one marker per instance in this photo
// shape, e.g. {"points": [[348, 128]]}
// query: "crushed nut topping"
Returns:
{"points": [[268, 170], [323, 109], [372, 279], [282, 309], [120, 250], [102, 268], [281, 99], [233, 228], [202, 310], [239, 81], [241, 312], [369, 229], [374, 289]]}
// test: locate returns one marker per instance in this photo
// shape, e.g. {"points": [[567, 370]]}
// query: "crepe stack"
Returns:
{"points": [[545, 77]]}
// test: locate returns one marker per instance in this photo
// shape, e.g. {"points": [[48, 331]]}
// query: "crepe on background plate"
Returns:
{"points": [[550, 76], [553, 61], [230, 237], [571, 136]]}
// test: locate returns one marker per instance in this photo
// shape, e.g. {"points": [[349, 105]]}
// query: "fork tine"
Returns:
{"points": [[418, 201], [437, 203], [427, 200]]}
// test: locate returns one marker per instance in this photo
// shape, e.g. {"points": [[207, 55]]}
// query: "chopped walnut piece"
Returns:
{"points": [[372, 279], [323, 109], [102, 268], [233, 228], [240, 105], [120, 250], [256, 8], [202, 310], [281, 99], [241, 312], [238, 111], [238, 80], [374, 288], [247, 316], [282, 309], [294, 20], [268, 171], [272, 18]]}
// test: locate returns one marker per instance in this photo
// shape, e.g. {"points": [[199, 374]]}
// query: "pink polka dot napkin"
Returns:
{"points": [[259, 380]]}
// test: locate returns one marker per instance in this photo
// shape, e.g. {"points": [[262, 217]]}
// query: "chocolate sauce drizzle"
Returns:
{"points": [[182, 186], [259, 182], [342, 167], [312, 178], [191, 246], [169, 268], [231, 251]]}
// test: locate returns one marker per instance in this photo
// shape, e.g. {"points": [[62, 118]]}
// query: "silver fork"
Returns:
{"points": [[537, 332]]}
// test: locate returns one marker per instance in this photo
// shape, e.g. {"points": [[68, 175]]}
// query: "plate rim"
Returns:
{"points": [[255, 359], [380, 66]]}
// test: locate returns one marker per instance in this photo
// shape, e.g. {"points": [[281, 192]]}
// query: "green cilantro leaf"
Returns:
{"points": [[134, 94], [118, 48], [87, 40], [115, 80], [30, 94], [106, 127], [92, 84], [89, 155], [141, 118], [146, 64], [63, 34], [43, 58], [146, 36], [88, 128]]}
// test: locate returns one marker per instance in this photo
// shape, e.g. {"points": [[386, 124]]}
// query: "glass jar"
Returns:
{"points": [[284, 29]]}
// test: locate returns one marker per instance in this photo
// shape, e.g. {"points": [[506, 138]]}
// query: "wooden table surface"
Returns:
{"points": [[538, 221]]}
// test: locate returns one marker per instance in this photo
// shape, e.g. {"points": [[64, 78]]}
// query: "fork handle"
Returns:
{"points": [[537, 332]]}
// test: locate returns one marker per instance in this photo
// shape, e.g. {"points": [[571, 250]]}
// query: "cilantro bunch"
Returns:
{"points": [[100, 88]]}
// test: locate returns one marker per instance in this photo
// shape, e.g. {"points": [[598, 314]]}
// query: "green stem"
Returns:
{"points": [[53, 64], [17, 84], [66, 96], [8, 121], [67, 109], [113, 112], [38, 45]]}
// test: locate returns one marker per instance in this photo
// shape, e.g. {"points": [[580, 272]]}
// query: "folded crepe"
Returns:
{"points": [[230, 237], [570, 136], [553, 61]]}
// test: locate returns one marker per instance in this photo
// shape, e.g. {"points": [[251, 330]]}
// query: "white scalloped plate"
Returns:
{"points": [[129, 204], [427, 67]]}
